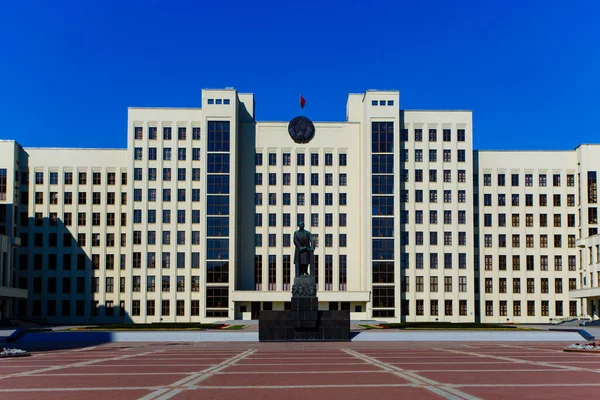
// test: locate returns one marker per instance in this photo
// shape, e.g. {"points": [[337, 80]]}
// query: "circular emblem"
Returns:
{"points": [[301, 130]]}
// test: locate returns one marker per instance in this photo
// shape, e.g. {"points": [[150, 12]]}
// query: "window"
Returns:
{"points": [[556, 180], [516, 285], [487, 180], [501, 180], [489, 308], [432, 175], [556, 200], [196, 133], [433, 135], [314, 159], [432, 155], [181, 133], [514, 179], [448, 307], [196, 154], [447, 135], [462, 283], [382, 135], [592, 187], [447, 284]]}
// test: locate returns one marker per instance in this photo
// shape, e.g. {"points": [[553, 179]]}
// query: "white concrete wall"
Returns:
{"points": [[535, 163]]}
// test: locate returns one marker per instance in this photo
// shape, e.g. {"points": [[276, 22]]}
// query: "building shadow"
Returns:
{"points": [[67, 286]]}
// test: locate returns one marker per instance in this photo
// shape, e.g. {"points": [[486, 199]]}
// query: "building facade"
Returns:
{"points": [[194, 220]]}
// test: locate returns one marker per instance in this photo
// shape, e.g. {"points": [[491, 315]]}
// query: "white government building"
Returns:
{"points": [[194, 220]]}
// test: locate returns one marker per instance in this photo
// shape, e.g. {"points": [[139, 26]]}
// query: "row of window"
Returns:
{"points": [[81, 198], [381, 208], [529, 220], [461, 155], [382, 102], [542, 180], [489, 308], [166, 216], [328, 272], [529, 262], [138, 154], [218, 101], [109, 308], [433, 176], [166, 174], [542, 200], [300, 181], [111, 178], [138, 133], [53, 262], [529, 241], [214, 274], [314, 219], [215, 187], [286, 240], [383, 297], [516, 285], [301, 159], [433, 238], [433, 135], [544, 308], [286, 197]]}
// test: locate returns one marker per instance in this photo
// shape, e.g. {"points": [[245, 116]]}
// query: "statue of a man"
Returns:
{"points": [[305, 247]]}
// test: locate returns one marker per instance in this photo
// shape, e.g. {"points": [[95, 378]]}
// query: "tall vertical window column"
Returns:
{"points": [[382, 197], [217, 219]]}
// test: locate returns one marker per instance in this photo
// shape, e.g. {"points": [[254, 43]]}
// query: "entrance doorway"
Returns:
{"points": [[255, 309]]}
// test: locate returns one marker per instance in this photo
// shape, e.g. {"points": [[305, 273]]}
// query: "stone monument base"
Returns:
{"points": [[304, 322]]}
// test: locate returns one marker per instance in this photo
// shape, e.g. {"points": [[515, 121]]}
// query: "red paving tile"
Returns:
{"points": [[353, 393], [578, 364], [90, 381], [357, 366], [16, 370], [77, 395], [293, 360], [480, 367], [397, 360], [108, 369], [537, 377], [284, 379], [135, 361], [532, 393]]}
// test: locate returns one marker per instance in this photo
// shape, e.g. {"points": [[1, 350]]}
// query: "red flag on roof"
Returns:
{"points": [[302, 102]]}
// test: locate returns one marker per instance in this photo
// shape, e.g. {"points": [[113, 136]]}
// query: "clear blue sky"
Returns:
{"points": [[529, 70]]}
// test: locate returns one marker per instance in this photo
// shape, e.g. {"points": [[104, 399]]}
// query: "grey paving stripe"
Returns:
{"points": [[520, 361], [429, 384], [189, 381], [78, 364]]}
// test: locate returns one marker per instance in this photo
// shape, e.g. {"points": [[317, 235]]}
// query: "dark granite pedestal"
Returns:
{"points": [[304, 322]]}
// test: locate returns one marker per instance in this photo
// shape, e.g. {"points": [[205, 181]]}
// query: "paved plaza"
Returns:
{"points": [[354, 370]]}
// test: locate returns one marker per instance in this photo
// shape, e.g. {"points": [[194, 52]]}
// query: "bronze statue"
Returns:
{"points": [[305, 248]]}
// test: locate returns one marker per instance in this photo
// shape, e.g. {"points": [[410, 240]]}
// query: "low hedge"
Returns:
{"points": [[444, 325], [153, 326]]}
